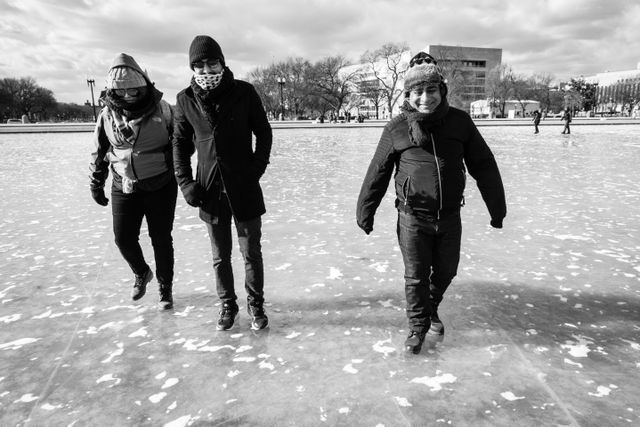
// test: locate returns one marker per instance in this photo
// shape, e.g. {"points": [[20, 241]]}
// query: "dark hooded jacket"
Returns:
{"points": [[224, 148], [431, 177]]}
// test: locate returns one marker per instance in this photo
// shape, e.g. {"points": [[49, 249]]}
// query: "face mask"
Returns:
{"points": [[208, 81]]}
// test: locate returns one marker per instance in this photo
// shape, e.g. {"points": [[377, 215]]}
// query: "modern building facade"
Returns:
{"points": [[618, 91], [466, 70]]}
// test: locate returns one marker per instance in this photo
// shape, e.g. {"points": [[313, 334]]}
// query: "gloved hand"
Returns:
{"points": [[496, 223], [367, 228], [99, 197], [194, 194]]}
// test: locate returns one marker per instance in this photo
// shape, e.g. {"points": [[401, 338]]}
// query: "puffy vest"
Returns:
{"points": [[146, 157]]}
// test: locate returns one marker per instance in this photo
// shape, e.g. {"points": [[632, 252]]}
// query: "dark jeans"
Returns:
{"points": [[249, 235], [159, 209], [431, 252]]}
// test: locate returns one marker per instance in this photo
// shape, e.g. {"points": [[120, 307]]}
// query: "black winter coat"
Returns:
{"points": [[431, 177], [225, 149]]}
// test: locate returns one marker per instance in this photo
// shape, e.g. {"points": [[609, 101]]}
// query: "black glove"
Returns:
{"points": [[367, 228], [194, 194], [496, 223], [99, 197]]}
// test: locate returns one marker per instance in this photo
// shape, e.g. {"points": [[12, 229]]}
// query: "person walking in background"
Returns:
{"points": [[566, 119], [536, 120], [219, 114], [133, 136], [428, 145]]}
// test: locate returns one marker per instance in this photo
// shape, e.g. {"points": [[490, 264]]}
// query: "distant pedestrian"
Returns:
{"points": [[427, 148], [132, 137], [566, 119], [536, 120], [217, 116]]}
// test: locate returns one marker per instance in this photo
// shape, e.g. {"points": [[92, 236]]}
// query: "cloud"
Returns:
{"points": [[61, 43]]}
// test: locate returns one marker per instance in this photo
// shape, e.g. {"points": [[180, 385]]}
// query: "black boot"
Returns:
{"points": [[436, 328], [259, 319], [166, 296], [140, 286], [414, 342]]}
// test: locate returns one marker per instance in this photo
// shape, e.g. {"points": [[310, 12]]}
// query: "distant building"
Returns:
{"points": [[485, 109], [618, 91], [467, 69]]}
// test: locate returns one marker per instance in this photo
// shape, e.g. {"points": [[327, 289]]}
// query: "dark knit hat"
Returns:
{"points": [[204, 47], [423, 69]]}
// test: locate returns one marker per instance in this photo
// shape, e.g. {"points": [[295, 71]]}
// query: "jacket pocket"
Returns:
{"points": [[421, 191], [402, 186]]}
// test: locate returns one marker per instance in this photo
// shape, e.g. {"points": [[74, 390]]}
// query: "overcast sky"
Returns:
{"points": [[62, 42]]}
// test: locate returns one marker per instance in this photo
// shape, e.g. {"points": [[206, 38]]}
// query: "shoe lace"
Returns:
{"points": [[140, 280], [226, 310]]}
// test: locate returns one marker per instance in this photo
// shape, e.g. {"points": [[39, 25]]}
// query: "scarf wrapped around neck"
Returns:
{"points": [[127, 115], [420, 124], [211, 101]]}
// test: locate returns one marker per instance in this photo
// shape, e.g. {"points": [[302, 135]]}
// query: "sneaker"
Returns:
{"points": [[414, 342], [436, 328], [140, 286], [166, 296], [259, 319], [228, 315]]}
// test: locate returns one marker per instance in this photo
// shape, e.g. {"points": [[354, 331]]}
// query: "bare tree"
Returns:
{"points": [[296, 72], [265, 82], [387, 67], [542, 92], [499, 87], [522, 91], [330, 83], [24, 96]]}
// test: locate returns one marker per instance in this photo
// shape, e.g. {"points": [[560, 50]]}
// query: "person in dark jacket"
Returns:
{"points": [[536, 120], [217, 116], [566, 118], [428, 145], [133, 136]]}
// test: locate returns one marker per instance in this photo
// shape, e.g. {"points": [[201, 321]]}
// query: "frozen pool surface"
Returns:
{"points": [[543, 320]]}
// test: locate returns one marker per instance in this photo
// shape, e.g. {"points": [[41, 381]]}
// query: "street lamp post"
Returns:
{"points": [[281, 82], [90, 83]]}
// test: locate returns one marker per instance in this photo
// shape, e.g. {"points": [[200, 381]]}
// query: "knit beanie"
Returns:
{"points": [[204, 47], [124, 78], [424, 70], [422, 74]]}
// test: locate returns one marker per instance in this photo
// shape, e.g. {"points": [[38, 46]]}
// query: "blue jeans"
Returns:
{"points": [[159, 208], [249, 235], [430, 250]]}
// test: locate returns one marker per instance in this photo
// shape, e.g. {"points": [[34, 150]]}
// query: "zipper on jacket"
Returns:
{"points": [[133, 169], [435, 155]]}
